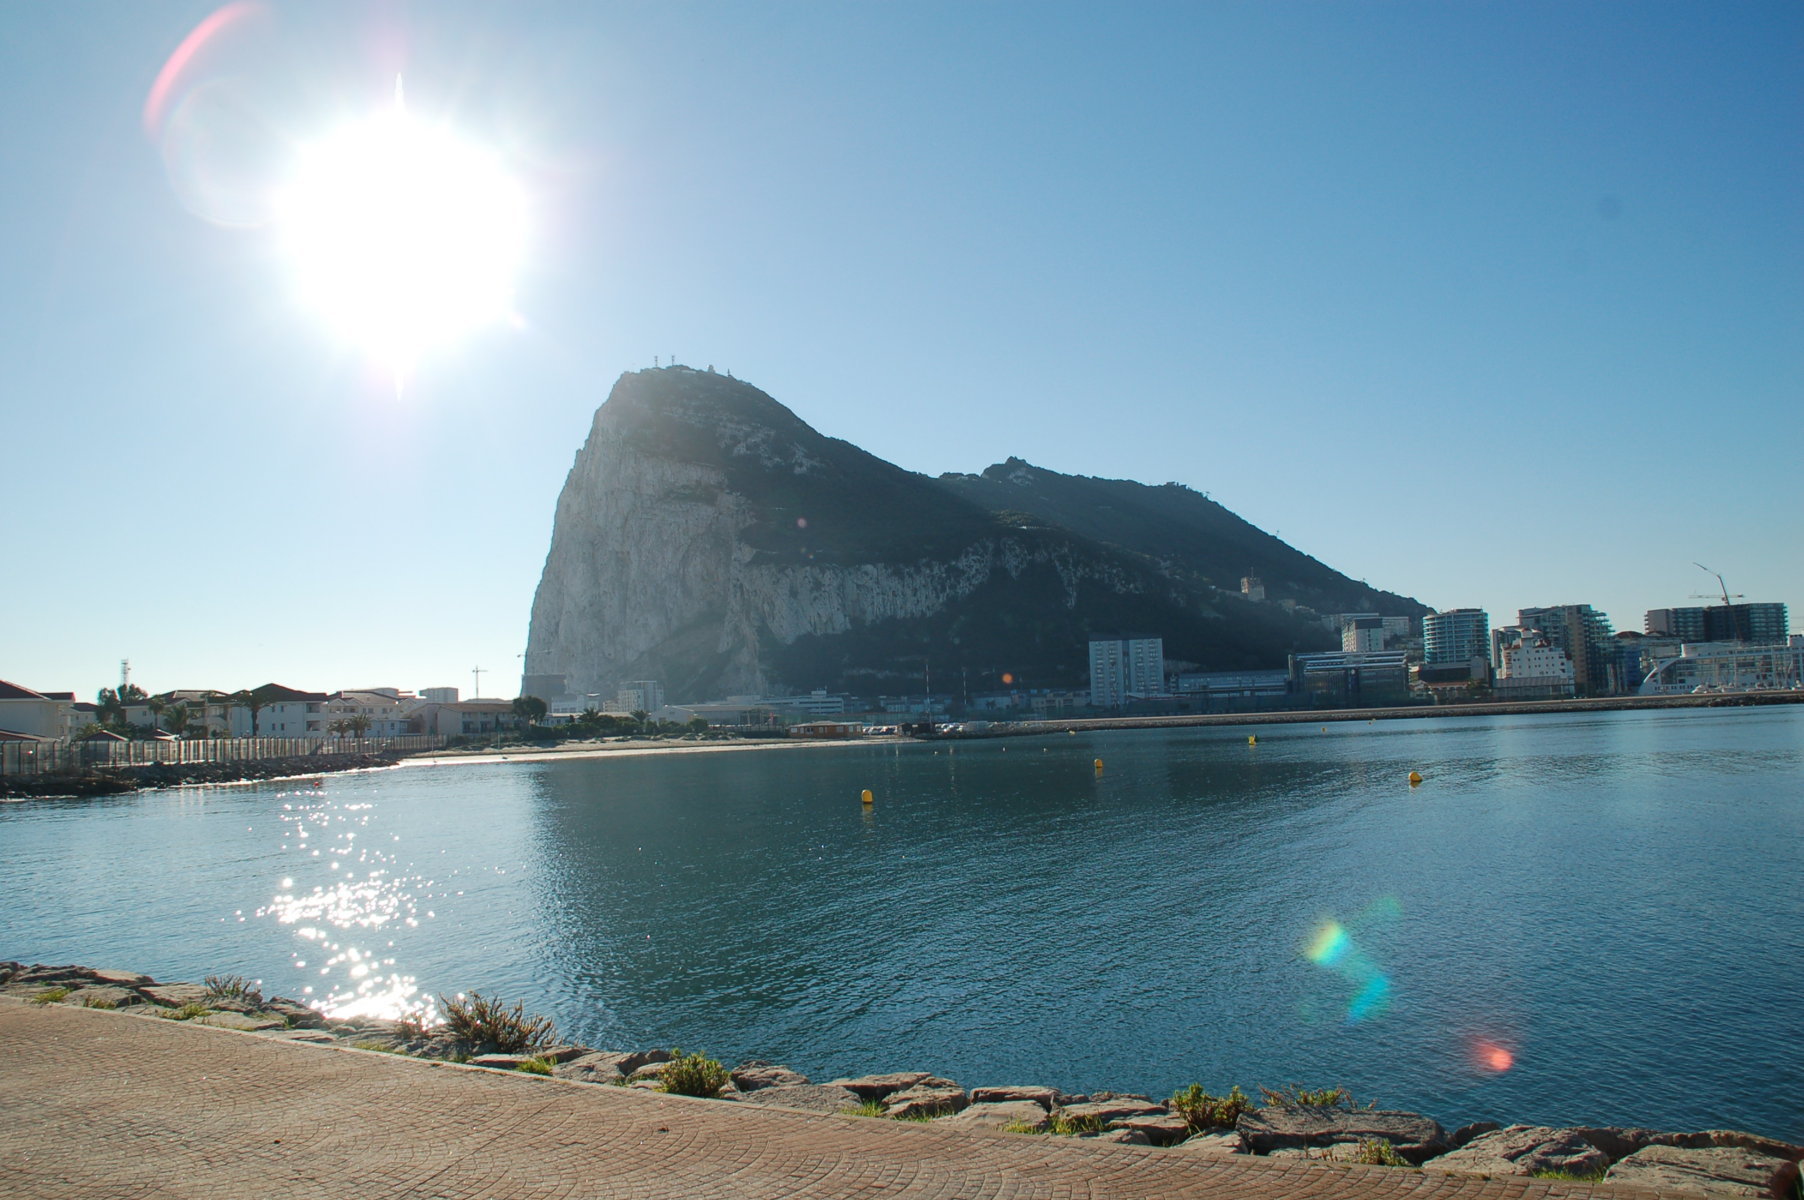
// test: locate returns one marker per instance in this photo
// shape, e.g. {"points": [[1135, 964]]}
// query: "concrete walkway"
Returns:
{"points": [[97, 1104]]}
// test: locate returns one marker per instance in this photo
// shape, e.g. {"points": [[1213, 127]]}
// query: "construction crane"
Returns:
{"points": [[1726, 597]]}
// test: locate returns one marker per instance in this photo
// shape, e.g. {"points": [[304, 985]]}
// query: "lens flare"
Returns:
{"points": [[170, 79], [1332, 948], [1491, 1056]]}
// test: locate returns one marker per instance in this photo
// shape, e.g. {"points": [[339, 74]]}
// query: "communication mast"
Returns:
{"points": [[476, 673]]}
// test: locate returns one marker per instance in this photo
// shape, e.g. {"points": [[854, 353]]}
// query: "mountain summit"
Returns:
{"points": [[708, 538]]}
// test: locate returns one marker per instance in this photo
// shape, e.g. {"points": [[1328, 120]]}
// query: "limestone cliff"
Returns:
{"points": [[708, 538]]}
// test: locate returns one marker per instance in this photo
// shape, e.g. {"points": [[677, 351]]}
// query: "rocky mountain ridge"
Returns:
{"points": [[708, 538]]}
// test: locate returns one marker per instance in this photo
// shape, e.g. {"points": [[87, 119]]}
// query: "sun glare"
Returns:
{"points": [[402, 236]]}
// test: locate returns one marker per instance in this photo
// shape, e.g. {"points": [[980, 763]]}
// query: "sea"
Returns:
{"points": [[1587, 918]]}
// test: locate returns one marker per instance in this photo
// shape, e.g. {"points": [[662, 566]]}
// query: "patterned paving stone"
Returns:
{"points": [[104, 1105]]}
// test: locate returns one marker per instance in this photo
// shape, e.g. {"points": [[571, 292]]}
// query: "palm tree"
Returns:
{"points": [[358, 725], [175, 717], [640, 715]]}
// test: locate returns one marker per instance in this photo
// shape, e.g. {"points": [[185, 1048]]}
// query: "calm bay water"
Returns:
{"points": [[1583, 918]]}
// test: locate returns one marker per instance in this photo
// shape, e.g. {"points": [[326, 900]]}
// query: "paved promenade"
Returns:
{"points": [[96, 1104]]}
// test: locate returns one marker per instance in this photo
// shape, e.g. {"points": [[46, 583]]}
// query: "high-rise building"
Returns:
{"points": [[1721, 623], [1586, 637], [1363, 635], [1124, 666], [1456, 636]]}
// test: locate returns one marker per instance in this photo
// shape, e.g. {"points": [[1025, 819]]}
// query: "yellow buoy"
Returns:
{"points": [[1251, 740], [1415, 777], [866, 796], [1098, 764]]}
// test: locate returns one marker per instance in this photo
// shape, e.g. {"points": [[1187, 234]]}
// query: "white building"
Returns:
{"points": [[439, 695], [383, 712], [281, 712], [1125, 667], [1531, 667], [35, 714]]}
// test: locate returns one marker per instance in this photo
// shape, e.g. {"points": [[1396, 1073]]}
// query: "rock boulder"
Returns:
{"points": [[1416, 1138], [1523, 1150], [1710, 1170]]}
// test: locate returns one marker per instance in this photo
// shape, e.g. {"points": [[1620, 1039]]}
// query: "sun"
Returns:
{"points": [[402, 236]]}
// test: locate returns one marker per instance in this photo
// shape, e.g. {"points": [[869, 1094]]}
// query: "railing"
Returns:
{"points": [[45, 758]]}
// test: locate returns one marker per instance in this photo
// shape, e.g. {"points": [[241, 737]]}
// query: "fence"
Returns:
{"points": [[44, 758]]}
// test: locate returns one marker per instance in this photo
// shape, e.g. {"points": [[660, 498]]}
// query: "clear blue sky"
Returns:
{"points": [[1491, 304]]}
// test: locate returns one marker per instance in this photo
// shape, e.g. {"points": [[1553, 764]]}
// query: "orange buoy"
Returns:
{"points": [[1098, 766], [1415, 777], [866, 797]]}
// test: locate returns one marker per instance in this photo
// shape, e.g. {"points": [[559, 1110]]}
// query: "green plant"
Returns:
{"points": [[1202, 1111], [232, 987], [535, 1066], [1023, 1127], [411, 1027], [1377, 1152], [1066, 1126], [186, 1012], [376, 1045], [98, 1002], [1298, 1096], [491, 1027], [50, 995], [865, 1108], [692, 1075], [1574, 1176]]}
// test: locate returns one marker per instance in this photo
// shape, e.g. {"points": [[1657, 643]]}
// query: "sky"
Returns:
{"points": [[1492, 304]]}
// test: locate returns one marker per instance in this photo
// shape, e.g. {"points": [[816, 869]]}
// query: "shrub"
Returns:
{"points": [[50, 995], [692, 1075], [186, 1012], [535, 1066], [1378, 1153], [1202, 1111], [1298, 1096], [232, 987], [1066, 1126], [865, 1108], [411, 1027], [490, 1027], [98, 1002]]}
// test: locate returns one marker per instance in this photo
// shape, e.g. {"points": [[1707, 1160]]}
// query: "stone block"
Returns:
{"points": [[1415, 1137], [1708, 1171], [1523, 1150], [1023, 1114]]}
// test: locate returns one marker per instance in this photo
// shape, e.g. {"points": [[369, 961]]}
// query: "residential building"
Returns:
{"points": [[468, 717], [1530, 666], [280, 712], [1586, 637], [34, 714], [1363, 635], [441, 695], [1458, 635], [1765, 623], [642, 695], [1252, 588], [382, 712], [1123, 667]]}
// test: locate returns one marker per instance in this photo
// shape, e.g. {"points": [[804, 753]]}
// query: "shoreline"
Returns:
{"points": [[239, 772], [1325, 1126]]}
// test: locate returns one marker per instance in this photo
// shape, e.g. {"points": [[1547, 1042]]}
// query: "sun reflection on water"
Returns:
{"points": [[341, 919]]}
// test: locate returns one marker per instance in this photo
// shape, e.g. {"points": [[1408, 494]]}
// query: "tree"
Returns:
{"points": [[530, 709], [358, 725], [698, 725], [338, 728], [250, 700], [175, 718], [639, 715], [112, 703]]}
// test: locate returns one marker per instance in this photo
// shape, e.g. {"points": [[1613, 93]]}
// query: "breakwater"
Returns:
{"points": [[1325, 1124], [110, 781]]}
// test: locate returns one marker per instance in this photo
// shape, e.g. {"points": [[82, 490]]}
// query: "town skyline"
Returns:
{"points": [[1455, 300]]}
